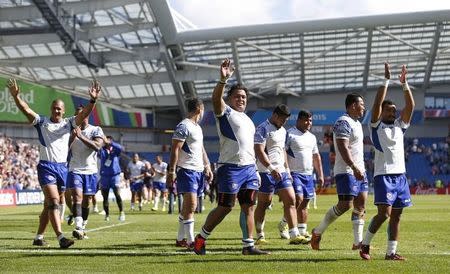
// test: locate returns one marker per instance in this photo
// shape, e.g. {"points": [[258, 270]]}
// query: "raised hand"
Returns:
{"points": [[387, 71], [13, 87], [94, 89], [226, 70], [402, 76]]}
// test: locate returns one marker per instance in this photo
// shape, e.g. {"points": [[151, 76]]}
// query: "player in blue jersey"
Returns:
{"points": [[85, 142], [391, 187], [110, 175], [189, 164], [237, 176], [349, 172], [54, 133]]}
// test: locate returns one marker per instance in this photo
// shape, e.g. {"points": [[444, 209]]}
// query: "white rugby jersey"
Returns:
{"points": [[236, 131], [83, 160], [161, 168], [348, 128], [53, 138], [274, 141], [388, 142], [191, 153], [135, 169], [300, 147]]}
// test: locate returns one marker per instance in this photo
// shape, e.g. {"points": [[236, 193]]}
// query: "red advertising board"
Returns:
{"points": [[7, 197]]}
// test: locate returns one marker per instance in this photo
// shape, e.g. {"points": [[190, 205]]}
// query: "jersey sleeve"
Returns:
{"points": [[260, 134], [181, 132], [315, 149], [37, 120], [376, 124], [97, 133], [225, 112], [342, 129], [72, 122], [399, 123]]}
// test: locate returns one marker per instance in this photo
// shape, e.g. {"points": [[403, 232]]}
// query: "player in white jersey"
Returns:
{"points": [[349, 172], [159, 183], [136, 175], [391, 187], [303, 157], [237, 176], [189, 164], [85, 141], [270, 140], [54, 133]]}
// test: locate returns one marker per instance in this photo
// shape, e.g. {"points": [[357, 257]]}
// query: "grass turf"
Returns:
{"points": [[145, 243]]}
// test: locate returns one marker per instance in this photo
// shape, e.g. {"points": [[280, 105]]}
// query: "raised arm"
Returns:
{"points": [[381, 94], [14, 89], [226, 70], [409, 99], [94, 92]]}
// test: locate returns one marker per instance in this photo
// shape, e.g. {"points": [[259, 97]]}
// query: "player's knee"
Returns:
{"points": [[359, 212], [247, 197], [226, 200], [53, 204]]}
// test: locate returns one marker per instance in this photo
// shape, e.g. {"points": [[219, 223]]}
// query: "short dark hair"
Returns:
{"points": [[304, 114], [236, 87], [193, 103], [79, 107], [109, 137], [282, 109], [387, 102], [352, 98]]}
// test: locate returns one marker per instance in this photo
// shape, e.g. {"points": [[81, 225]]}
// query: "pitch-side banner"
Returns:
{"points": [[39, 98]]}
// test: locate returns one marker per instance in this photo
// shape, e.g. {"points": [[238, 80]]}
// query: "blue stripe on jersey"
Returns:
{"points": [[290, 152], [186, 148], [225, 128], [39, 131], [375, 140]]}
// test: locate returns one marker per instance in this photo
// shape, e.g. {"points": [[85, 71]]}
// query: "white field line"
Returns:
{"points": [[181, 252], [106, 227]]}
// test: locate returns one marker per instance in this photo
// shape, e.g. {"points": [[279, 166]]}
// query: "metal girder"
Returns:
{"points": [[164, 19], [153, 78], [368, 56], [85, 34], [432, 56], [302, 62], [269, 52], [176, 86], [27, 12], [402, 41], [237, 63], [229, 33], [146, 53], [188, 87]]}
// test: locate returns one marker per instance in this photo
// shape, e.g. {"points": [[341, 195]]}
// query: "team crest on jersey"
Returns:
{"points": [[389, 196], [234, 186], [50, 177]]}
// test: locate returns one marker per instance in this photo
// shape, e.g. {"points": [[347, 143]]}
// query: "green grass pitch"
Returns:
{"points": [[144, 243]]}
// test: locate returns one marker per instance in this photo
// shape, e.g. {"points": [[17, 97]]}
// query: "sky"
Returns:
{"points": [[205, 14]]}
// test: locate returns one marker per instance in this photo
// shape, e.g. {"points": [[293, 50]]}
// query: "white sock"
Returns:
{"points": [[331, 216], [60, 237], [358, 228], [260, 226], [39, 237], [248, 242], [283, 220], [293, 232], [260, 235], [84, 224], [132, 205], [156, 202], [302, 228], [189, 229], [205, 234], [368, 238], [391, 247], [78, 222], [62, 210], [180, 228]]}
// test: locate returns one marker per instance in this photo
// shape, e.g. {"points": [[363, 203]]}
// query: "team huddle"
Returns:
{"points": [[254, 164]]}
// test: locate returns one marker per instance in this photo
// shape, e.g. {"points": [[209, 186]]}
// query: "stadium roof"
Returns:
{"points": [[144, 56]]}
